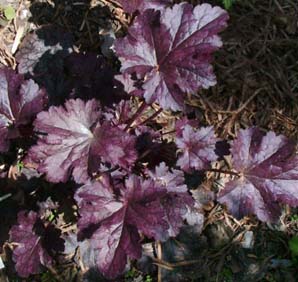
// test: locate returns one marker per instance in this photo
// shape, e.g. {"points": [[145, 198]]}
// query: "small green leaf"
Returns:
{"points": [[293, 245], [228, 3], [20, 166], [51, 217], [9, 13], [294, 217]]}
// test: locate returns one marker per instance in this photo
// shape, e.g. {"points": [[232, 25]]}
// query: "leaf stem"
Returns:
{"points": [[224, 171], [168, 132], [136, 114], [151, 117], [159, 256]]}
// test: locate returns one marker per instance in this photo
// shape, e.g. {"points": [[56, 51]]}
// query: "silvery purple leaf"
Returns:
{"points": [[268, 175], [74, 143], [63, 149], [130, 85], [131, 6], [171, 51], [178, 201], [195, 215], [182, 122], [29, 254], [172, 180], [39, 47], [20, 101], [41, 56], [197, 148], [115, 146], [114, 220]]}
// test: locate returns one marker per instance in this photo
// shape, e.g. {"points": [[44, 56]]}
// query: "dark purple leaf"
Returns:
{"points": [[51, 239], [178, 201], [268, 174], [90, 76], [115, 220], [29, 255], [196, 148], [131, 6], [222, 148], [20, 101], [171, 51], [155, 152]]}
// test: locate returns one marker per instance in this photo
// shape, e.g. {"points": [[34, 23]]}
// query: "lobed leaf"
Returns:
{"points": [[178, 201], [114, 219], [29, 254], [197, 148], [73, 142], [268, 169], [171, 50], [20, 101], [64, 147]]}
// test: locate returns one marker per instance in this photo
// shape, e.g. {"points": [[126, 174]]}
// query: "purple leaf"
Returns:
{"points": [[173, 180], [47, 56], [222, 148], [75, 143], [131, 6], [120, 114], [181, 123], [41, 57], [90, 76], [197, 148], [268, 169], [41, 44], [171, 51], [20, 101], [131, 86], [115, 146], [65, 148], [178, 201], [115, 219], [29, 254]]}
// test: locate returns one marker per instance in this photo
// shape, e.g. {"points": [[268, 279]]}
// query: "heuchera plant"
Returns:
{"points": [[132, 178]]}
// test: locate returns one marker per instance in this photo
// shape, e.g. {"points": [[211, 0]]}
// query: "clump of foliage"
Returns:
{"points": [[129, 180]]}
